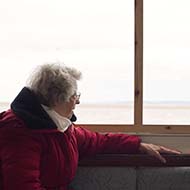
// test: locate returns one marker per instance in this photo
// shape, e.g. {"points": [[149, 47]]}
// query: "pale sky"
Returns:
{"points": [[97, 37]]}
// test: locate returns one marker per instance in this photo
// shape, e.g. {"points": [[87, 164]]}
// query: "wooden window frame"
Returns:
{"points": [[138, 126]]}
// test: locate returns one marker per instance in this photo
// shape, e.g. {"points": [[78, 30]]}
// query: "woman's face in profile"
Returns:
{"points": [[65, 109], [75, 99]]}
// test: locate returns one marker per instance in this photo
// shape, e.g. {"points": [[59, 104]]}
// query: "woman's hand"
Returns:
{"points": [[155, 150]]}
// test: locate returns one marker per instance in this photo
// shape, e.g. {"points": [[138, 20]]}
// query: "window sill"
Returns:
{"points": [[137, 160]]}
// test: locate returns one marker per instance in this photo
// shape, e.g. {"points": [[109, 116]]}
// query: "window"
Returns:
{"points": [[97, 37], [108, 41], [166, 62]]}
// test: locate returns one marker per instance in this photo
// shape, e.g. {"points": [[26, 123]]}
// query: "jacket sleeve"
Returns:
{"points": [[91, 143], [20, 162]]}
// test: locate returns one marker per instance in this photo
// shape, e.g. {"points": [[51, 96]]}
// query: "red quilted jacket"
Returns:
{"points": [[37, 156]]}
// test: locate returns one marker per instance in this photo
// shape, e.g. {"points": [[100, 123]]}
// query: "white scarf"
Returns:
{"points": [[62, 122]]}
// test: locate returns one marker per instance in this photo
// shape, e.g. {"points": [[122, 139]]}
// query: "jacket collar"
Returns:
{"points": [[28, 108]]}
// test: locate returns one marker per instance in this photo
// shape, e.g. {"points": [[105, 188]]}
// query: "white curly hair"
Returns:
{"points": [[53, 82]]}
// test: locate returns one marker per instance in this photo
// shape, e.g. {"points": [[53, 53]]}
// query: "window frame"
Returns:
{"points": [[138, 126]]}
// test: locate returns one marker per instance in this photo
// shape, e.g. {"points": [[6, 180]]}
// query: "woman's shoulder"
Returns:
{"points": [[12, 127], [9, 121]]}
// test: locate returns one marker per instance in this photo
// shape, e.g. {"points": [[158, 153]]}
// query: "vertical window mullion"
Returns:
{"points": [[138, 105]]}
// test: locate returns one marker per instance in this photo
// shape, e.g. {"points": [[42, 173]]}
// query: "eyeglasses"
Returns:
{"points": [[77, 95]]}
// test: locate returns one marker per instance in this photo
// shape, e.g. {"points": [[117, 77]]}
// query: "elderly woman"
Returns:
{"points": [[40, 146]]}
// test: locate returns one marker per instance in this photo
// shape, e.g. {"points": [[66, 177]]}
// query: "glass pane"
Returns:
{"points": [[166, 62], [97, 37]]}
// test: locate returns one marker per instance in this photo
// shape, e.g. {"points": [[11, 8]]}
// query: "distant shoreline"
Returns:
{"points": [[123, 104], [165, 113]]}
